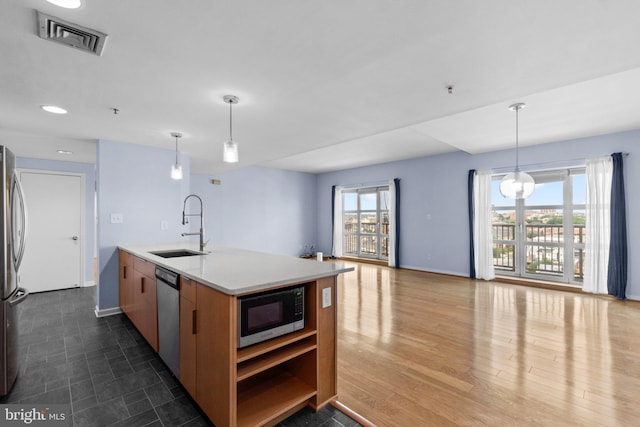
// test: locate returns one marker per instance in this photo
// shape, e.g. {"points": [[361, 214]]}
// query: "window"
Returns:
{"points": [[366, 222], [542, 237]]}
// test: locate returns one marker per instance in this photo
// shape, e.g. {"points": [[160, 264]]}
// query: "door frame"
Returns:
{"points": [[83, 210]]}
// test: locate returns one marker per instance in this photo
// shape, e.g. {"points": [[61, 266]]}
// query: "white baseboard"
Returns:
{"points": [[107, 311]]}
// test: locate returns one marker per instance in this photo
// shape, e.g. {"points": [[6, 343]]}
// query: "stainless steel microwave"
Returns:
{"points": [[270, 314]]}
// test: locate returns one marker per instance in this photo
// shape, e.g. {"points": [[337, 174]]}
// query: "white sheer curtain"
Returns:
{"points": [[599, 172], [392, 224], [337, 223], [482, 234]]}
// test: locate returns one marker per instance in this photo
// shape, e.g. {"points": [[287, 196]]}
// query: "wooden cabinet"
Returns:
{"points": [[261, 384], [145, 300], [188, 335], [268, 381], [137, 298], [125, 286], [215, 362]]}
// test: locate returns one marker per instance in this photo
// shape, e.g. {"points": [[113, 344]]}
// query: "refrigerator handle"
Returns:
{"points": [[17, 188], [21, 295]]}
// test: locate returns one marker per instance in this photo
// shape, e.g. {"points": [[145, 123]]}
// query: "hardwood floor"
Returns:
{"points": [[422, 349]]}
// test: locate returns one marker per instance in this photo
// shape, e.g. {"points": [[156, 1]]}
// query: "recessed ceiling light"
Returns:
{"points": [[64, 152], [54, 109], [67, 4]]}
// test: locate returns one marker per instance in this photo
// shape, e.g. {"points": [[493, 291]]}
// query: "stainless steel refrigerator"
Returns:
{"points": [[12, 237]]}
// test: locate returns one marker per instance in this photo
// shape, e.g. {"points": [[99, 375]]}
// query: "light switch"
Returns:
{"points": [[164, 225], [326, 297], [117, 218]]}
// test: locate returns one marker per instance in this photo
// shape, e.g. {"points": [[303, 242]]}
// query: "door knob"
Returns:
{"points": [[74, 238]]}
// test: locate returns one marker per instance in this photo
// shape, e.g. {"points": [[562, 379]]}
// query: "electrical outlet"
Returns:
{"points": [[326, 297], [117, 218]]}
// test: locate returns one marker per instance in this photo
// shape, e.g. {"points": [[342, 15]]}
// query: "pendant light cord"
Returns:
{"points": [[230, 121], [176, 149], [517, 144]]}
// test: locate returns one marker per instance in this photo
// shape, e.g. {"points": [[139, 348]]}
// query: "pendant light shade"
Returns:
{"points": [[176, 168], [230, 153], [517, 184], [230, 149]]}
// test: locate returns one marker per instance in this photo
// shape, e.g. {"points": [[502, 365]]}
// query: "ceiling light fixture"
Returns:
{"points": [[230, 153], [54, 109], [66, 152], [176, 169], [67, 4], [517, 185]]}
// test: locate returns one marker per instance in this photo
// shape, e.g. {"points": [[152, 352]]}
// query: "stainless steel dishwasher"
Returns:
{"points": [[168, 290]]}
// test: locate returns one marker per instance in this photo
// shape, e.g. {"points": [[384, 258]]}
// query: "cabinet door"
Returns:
{"points": [[125, 282], [188, 345], [144, 307], [327, 335], [215, 355]]}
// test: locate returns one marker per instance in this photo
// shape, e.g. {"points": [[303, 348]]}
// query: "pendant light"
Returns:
{"points": [[176, 169], [517, 185], [230, 153]]}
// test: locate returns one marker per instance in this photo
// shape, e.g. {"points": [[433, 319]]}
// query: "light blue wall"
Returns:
{"points": [[282, 211], [435, 187], [262, 209], [90, 178], [134, 181]]}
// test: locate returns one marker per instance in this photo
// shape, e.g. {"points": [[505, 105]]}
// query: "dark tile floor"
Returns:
{"points": [[105, 370]]}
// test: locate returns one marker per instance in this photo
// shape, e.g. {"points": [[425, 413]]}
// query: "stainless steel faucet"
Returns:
{"points": [[185, 220]]}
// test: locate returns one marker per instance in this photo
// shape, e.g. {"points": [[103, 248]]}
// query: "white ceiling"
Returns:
{"points": [[323, 85]]}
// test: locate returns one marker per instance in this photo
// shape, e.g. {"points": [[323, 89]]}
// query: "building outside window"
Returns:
{"points": [[542, 237], [366, 222]]}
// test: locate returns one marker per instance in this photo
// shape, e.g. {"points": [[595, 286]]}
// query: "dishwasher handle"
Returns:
{"points": [[168, 277]]}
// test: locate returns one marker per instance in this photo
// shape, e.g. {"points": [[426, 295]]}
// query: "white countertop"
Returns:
{"points": [[238, 271]]}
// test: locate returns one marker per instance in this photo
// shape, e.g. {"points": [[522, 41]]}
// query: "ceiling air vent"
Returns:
{"points": [[70, 34]]}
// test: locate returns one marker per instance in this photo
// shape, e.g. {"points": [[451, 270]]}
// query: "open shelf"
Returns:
{"points": [[264, 399], [272, 344], [269, 360]]}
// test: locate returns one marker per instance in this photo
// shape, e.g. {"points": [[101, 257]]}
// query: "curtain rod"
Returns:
{"points": [[553, 165], [365, 184]]}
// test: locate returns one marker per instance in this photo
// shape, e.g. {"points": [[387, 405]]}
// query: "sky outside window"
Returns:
{"points": [[544, 194]]}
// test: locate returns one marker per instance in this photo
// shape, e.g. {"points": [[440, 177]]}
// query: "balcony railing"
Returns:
{"points": [[368, 245], [544, 249]]}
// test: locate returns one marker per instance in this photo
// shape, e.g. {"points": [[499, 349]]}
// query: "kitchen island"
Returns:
{"points": [[256, 385]]}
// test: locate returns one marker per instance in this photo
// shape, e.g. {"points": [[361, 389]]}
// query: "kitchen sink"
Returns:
{"points": [[176, 253]]}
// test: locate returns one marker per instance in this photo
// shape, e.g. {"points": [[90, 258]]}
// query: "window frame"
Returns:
{"points": [[521, 243], [378, 235]]}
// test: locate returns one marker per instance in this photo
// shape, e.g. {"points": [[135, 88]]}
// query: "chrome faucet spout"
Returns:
{"points": [[185, 220]]}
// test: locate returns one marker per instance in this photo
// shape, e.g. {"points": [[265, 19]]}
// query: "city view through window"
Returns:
{"points": [[543, 236], [366, 222]]}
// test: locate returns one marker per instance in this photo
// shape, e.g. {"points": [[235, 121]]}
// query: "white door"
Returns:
{"points": [[54, 246]]}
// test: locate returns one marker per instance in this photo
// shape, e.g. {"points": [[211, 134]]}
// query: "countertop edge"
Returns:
{"points": [[142, 251]]}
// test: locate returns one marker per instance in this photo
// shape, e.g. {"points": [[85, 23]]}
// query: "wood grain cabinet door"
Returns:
{"points": [[188, 329], [125, 283], [215, 355]]}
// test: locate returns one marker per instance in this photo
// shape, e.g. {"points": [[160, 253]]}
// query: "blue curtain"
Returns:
{"points": [[333, 215], [396, 184], [472, 262], [617, 273]]}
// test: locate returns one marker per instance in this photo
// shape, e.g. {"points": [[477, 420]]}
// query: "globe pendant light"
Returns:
{"points": [[176, 169], [230, 153], [517, 185]]}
